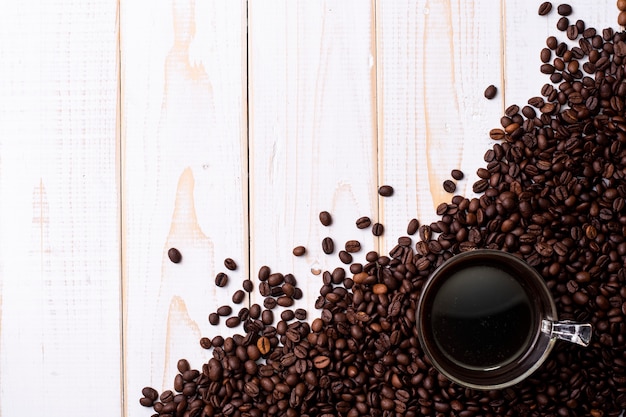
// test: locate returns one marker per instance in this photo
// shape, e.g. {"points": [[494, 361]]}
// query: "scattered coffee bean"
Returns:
{"points": [[205, 343], [545, 8], [345, 257], [325, 218], [353, 246], [224, 310], [328, 246], [247, 285], [378, 229], [230, 264], [238, 296], [412, 227], [174, 255], [621, 18], [299, 250], [214, 319], [449, 186], [233, 321], [621, 5], [221, 279], [363, 222], [457, 174], [564, 9], [385, 190], [490, 92]]}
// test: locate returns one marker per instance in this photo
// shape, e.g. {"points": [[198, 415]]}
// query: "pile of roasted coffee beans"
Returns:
{"points": [[553, 192]]}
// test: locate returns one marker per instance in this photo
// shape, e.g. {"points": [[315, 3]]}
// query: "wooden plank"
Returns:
{"points": [[184, 179], [59, 209], [435, 61], [312, 134]]}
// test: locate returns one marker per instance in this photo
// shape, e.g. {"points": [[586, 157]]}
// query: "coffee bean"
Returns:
{"points": [[214, 319], [490, 92], [174, 255], [449, 186], [564, 9], [233, 321], [457, 174], [247, 285], [299, 250], [325, 218], [385, 190], [545, 8], [321, 362], [562, 24], [328, 246], [621, 18], [224, 310], [238, 296], [221, 279], [353, 246], [496, 134], [363, 222], [378, 229], [621, 5], [263, 344], [230, 264], [300, 314], [345, 257], [267, 317], [205, 343]]}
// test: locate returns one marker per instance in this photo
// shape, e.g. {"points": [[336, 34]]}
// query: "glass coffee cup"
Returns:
{"points": [[487, 320]]}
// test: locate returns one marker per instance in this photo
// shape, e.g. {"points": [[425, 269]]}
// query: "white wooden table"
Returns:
{"points": [[222, 128]]}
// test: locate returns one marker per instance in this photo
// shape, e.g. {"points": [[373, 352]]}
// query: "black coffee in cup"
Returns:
{"points": [[486, 320], [481, 317]]}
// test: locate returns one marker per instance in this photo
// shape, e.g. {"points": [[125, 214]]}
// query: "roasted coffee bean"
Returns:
{"points": [[449, 186], [545, 8], [150, 393], [174, 255], [224, 310], [564, 9], [325, 218], [345, 257], [490, 92], [321, 362], [328, 245], [378, 229], [385, 190], [299, 250], [457, 174], [562, 24], [230, 264], [221, 279], [214, 319], [300, 314], [353, 246], [238, 296], [205, 343], [247, 285], [412, 227], [363, 222]]}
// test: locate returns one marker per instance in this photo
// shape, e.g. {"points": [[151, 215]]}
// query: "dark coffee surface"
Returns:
{"points": [[481, 317]]}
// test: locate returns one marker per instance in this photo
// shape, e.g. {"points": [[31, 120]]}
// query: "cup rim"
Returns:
{"points": [[541, 342]]}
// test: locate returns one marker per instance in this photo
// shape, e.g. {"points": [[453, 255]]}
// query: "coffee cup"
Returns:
{"points": [[487, 320]]}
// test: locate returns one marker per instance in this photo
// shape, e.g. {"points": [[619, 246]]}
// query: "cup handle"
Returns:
{"points": [[579, 333]]}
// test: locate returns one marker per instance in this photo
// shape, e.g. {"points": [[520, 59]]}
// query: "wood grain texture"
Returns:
{"points": [[184, 178], [312, 133], [435, 61], [59, 208]]}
